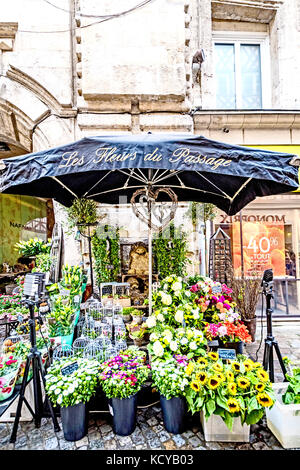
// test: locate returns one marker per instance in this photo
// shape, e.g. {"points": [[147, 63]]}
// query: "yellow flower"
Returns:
{"points": [[236, 366], [218, 367], [243, 382], [202, 377], [248, 365], [233, 405], [260, 386], [256, 365], [262, 375], [189, 369], [231, 387], [264, 399], [202, 362], [221, 376], [230, 376], [213, 382], [213, 355], [195, 385]]}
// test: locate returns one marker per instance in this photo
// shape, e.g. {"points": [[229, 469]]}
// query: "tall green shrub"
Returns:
{"points": [[104, 257]]}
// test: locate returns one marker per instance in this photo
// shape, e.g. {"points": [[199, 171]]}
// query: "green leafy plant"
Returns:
{"points": [[106, 251], [83, 211], [42, 263], [170, 249], [292, 394], [61, 318], [77, 387], [169, 378], [33, 247]]}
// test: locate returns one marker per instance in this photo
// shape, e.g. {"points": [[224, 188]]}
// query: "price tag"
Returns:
{"points": [[69, 369], [227, 354], [213, 343]]}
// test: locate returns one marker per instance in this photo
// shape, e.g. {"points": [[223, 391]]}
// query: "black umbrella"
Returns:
{"points": [[195, 168]]}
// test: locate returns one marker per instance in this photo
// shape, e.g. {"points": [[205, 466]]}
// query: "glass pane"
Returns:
{"points": [[225, 76], [250, 76]]}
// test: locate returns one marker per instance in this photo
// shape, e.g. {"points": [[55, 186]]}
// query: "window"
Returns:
{"points": [[241, 72]]}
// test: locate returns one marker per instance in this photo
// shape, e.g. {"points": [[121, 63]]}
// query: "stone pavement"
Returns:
{"points": [[150, 433]]}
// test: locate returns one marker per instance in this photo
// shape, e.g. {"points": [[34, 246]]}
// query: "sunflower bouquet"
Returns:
{"points": [[239, 388]]}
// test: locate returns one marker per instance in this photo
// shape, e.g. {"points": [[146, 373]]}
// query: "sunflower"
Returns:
{"points": [[264, 399], [243, 382], [202, 362], [262, 375], [202, 377], [195, 385], [231, 387], [189, 369], [236, 366], [230, 376], [248, 365], [260, 386], [256, 365], [233, 405], [213, 382], [220, 376], [213, 355], [218, 367]]}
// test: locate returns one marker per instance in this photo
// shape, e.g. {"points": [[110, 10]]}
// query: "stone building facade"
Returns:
{"points": [[226, 69]]}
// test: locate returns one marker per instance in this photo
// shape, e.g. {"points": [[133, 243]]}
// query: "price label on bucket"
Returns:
{"points": [[227, 354], [69, 369]]}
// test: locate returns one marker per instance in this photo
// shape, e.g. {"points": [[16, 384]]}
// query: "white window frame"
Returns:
{"points": [[237, 38]]}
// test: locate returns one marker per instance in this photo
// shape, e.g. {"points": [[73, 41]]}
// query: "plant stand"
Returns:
{"points": [[284, 420], [215, 430]]}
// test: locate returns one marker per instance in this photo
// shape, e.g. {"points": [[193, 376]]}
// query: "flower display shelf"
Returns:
{"points": [[215, 430]]}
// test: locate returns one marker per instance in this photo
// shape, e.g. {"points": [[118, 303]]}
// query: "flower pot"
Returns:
{"points": [[284, 420], [124, 415], [215, 430], [74, 421], [126, 318], [137, 319], [251, 327], [7, 384], [173, 411], [237, 346], [138, 341]]}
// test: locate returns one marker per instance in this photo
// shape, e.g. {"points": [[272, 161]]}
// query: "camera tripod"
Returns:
{"points": [[35, 360], [270, 341]]}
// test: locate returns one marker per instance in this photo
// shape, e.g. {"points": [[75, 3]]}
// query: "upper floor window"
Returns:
{"points": [[241, 72]]}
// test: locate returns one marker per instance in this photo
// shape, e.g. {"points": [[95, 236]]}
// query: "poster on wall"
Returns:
{"points": [[263, 248]]}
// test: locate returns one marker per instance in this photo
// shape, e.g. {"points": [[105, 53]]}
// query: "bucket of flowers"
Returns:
{"points": [[230, 396], [9, 367], [169, 378], [122, 378], [70, 384]]}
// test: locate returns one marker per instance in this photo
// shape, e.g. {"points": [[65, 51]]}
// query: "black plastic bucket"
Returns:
{"points": [[173, 411], [74, 421], [124, 415]]}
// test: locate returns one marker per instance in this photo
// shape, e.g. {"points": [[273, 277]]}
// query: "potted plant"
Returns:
{"points": [[9, 367], [83, 211], [61, 321], [126, 313], [122, 378], [137, 333], [123, 300], [245, 293], [70, 384], [284, 417], [230, 397], [169, 378], [230, 334], [137, 316]]}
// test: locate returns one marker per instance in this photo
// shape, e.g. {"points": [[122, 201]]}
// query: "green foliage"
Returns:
{"points": [[292, 394], [82, 211], [170, 249], [201, 210], [42, 263], [34, 246], [107, 257]]}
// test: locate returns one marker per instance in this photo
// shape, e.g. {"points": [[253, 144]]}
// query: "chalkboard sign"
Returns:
{"points": [[227, 353], [69, 369]]}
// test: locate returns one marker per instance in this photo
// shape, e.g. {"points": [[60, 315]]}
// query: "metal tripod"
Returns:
{"points": [[34, 358], [270, 341]]}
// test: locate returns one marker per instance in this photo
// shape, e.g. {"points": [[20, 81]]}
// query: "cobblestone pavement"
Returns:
{"points": [[150, 433]]}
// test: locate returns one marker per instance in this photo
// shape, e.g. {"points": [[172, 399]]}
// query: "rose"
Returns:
{"points": [[151, 321], [179, 315]]}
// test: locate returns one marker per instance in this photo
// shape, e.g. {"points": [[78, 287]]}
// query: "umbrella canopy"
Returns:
{"points": [[196, 168]]}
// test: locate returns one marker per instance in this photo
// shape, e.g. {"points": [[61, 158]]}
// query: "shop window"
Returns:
{"points": [[241, 72]]}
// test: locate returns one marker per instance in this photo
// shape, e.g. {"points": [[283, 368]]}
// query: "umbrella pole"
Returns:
{"points": [[150, 255], [242, 248]]}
